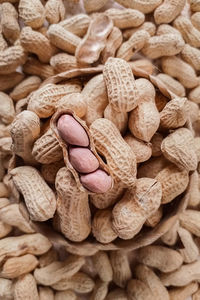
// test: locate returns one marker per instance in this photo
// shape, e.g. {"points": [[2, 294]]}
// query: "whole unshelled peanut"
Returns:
{"points": [[9, 22], [32, 13], [143, 6], [168, 11]]}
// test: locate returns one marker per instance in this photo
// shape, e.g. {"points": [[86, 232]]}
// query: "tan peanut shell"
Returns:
{"points": [[174, 182], [189, 219], [135, 43], [190, 34], [125, 18], [121, 268], [137, 289], [49, 171], [155, 218], [17, 266], [113, 42], [120, 119], [159, 257], [137, 204], [184, 275], [43, 101], [174, 114], [24, 131], [54, 11], [72, 207], [5, 229], [176, 67], [147, 26], [16, 215], [6, 289], [141, 149], [11, 58], [194, 94], [100, 290], [89, 49], [46, 293], [194, 192], [39, 198], [117, 294], [148, 276], [7, 110], [48, 257], [64, 146], [4, 192], [196, 20], [32, 13], [62, 38], [58, 270], [65, 295], [107, 199], [95, 95], [35, 244], [144, 120], [120, 83], [9, 22], [26, 288], [3, 43], [92, 5], [102, 226], [103, 266], [172, 84], [63, 62], [163, 45], [156, 142], [79, 283], [183, 292], [190, 251], [191, 55], [24, 88], [168, 11], [145, 6], [35, 42], [75, 102], [171, 236], [34, 67], [195, 5], [77, 24], [195, 295], [110, 144], [178, 147], [139, 65], [46, 149]]}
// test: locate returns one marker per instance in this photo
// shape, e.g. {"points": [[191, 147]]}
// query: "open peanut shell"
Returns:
{"points": [[64, 146]]}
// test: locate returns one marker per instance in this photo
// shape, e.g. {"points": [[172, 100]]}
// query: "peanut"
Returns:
{"points": [[116, 294], [131, 212], [121, 268], [143, 6], [103, 266], [176, 67], [190, 252], [92, 5], [191, 56], [7, 111], [63, 62], [195, 5], [54, 11], [9, 22], [159, 257], [26, 288], [102, 226], [45, 293], [147, 26], [39, 198], [189, 219], [66, 295], [83, 160], [113, 42], [120, 119], [17, 266], [24, 88], [196, 20], [79, 283], [118, 77], [32, 13], [125, 18], [96, 182], [25, 129], [89, 49], [171, 236], [77, 24], [48, 257], [174, 182], [100, 290], [155, 218], [35, 67], [194, 94], [119, 156], [49, 171], [6, 289], [136, 289], [163, 45], [196, 295], [172, 84], [193, 188], [178, 147], [58, 270], [72, 132], [183, 276], [62, 38], [184, 292], [72, 207], [167, 11]]}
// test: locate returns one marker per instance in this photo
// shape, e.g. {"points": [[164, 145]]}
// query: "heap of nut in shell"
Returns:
{"points": [[99, 149]]}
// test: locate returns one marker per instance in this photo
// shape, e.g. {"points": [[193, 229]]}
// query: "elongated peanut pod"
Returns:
{"points": [[26, 288], [40, 199]]}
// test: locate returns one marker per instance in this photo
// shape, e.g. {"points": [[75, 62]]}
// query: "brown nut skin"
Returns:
{"points": [[83, 160], [97, 182], [72, 132]]}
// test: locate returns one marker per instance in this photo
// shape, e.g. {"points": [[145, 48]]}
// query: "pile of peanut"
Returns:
{"points": [[99, 149]]}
